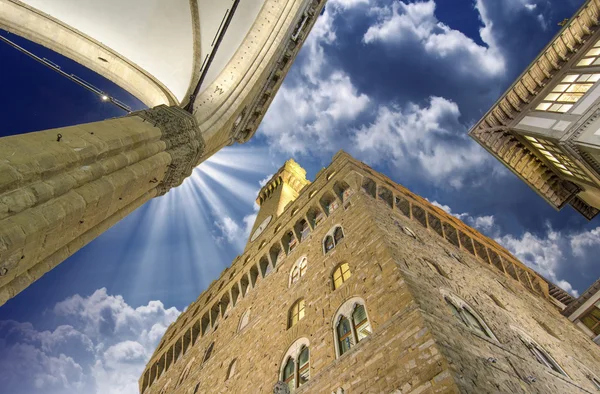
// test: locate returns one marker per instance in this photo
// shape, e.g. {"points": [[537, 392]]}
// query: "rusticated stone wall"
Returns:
{"points": [[405, 256]]}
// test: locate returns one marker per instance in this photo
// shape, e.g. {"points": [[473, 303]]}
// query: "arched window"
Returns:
{"points": [[340, 275], [328, 244], [338, 235], [467, 316], [165, 387], [540, 354], [360, 322], [351, 325], [344, 335], [295, 274], [185, 373], [244, 320], [295, 369], [298, 270], [304, 229], [231, 369], [289, 374], [303, 366], [333, 238], [208, 352], [296, 313]]}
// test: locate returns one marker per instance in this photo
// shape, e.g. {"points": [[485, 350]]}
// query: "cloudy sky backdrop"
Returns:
{"points": [[395, 83]]}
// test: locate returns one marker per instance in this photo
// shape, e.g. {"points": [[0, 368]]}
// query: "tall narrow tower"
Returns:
{"points": [[282, 189]]}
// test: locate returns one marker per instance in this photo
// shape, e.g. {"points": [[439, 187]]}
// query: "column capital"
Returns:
{"points": [[183, 138]]}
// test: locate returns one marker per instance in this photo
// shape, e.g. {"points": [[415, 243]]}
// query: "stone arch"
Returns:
{"points": [[315, 216], [225, 304], [347, 311], [253, 275], [539, 352], [298, 270], [185, 372], [342, 190], [293, 351], [461, 305], [328, 202], [386, 195], [289, 241], [244, 320], [302, 229], [265, 266], [276, 254], [231, 369], [329, 240], [244, 284], [369, 186]]}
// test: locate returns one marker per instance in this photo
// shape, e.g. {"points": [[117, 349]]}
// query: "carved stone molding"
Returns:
{"points": [[281, 388], [184, 142]]}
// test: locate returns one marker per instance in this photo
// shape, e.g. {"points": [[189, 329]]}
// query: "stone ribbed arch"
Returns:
{"points": [[23, 20]]}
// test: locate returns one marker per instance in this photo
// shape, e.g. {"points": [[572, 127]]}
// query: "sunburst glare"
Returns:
{"points": [[178, 243]]}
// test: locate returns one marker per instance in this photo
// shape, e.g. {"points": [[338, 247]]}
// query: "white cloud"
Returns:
{"points": [[430, 136], [543, 254], [486, 224], [582, 242], [416, 22], [307, 118], [102, 348]]}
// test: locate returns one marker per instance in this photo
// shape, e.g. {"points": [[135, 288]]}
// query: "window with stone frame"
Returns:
{"points": [[165, 388], [304, 228], [333, 238], [185, 373], [351, 325], [591, 319], [296, 365], [208, 352], [231, 369], [340, 275], [467, 316], [289, 374], [541, 355], [296, 313], [244, 320], [303, 366], [298, 270]]}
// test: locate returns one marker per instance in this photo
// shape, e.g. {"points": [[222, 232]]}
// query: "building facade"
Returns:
{"points": [[546, 126], [585, 312], [61, 188], [353, 284]]}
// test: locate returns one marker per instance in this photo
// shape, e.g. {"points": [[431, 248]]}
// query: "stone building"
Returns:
{"points": [[545, 127], [585, 311], [209, 69], [353, 284]]}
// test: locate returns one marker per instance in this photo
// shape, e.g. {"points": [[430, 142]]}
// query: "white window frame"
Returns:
{"points": [[459, 303], [346, 310]]}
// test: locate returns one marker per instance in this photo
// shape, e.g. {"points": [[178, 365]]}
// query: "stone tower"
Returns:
{"points": [[359, 286], [61, 188], [282, 189]]}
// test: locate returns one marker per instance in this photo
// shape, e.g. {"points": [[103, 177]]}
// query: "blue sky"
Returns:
{"points": [[396, 84]]}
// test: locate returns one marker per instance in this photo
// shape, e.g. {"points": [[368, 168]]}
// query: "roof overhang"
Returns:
{"points": [[494, 130]]}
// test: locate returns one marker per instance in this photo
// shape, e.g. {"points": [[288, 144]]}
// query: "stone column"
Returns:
{"points": [[61, 188]]}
